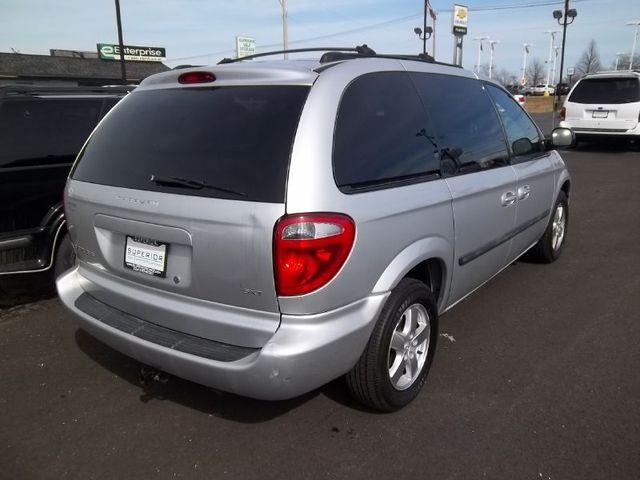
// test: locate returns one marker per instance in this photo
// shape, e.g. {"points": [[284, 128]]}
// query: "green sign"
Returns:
{"points": [[109, 51]]}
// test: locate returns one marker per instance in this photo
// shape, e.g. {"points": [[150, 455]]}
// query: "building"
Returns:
{"points": [[70, 68]]}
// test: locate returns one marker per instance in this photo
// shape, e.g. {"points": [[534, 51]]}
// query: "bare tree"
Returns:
{"points": [[589, 61], [505, 77], [536, 71]]}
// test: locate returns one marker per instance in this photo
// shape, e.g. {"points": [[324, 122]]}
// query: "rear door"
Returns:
{"points": [[479, 177], [178, 191], [534, 170], [607, 103]]}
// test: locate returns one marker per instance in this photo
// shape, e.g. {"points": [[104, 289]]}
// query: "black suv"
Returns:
{"points": [[42, 129]]}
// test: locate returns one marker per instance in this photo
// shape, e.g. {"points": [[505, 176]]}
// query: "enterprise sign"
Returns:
{"points": [[109, 51]]}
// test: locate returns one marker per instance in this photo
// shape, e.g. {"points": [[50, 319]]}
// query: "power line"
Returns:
{"points": [[544, 3]]}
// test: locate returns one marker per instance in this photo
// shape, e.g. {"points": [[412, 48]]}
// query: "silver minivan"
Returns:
{"points": [[264, 227]]}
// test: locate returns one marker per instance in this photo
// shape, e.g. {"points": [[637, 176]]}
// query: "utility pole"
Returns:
{"points": [[479, 40], [285, 36], [492, 45], [123, 69], [635, 39], [526, 47], [552, 34]]}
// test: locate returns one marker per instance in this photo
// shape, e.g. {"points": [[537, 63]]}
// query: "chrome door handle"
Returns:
{"points": [[524, 191], [508, 198]]}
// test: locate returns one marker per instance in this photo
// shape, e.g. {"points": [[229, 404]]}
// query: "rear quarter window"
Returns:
{"points": [[606, 90], [237, 138], [382, 134], [41, 131]]}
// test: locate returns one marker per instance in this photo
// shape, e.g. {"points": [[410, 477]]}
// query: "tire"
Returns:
{"points": [[370, 381], [546, 250], [65, 257]]}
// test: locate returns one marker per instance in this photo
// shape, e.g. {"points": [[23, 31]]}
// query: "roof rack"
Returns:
{"points": [[360, 49], [336, 54]]}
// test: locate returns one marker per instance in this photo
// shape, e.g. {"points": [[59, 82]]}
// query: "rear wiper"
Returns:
{"points": [[190, 183]]}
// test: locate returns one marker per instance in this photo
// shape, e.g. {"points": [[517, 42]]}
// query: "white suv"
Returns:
{"points": [[604, 104]]}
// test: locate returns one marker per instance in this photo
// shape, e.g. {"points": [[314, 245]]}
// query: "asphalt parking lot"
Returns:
{"points": [[537, 377]]}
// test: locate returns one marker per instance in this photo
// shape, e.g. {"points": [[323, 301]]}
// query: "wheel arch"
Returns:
{"points": [[427, 260]]}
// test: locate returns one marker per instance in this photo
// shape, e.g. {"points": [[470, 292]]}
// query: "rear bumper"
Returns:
{"points": [[305, 352], [584, 131]]}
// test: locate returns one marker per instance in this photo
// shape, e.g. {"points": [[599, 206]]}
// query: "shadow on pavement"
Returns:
{"points": [[199, 397], [17, 290], [607, 145]]}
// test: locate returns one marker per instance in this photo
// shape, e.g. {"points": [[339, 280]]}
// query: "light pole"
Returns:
{"points": [[424, 36], [492, 45], [123, 69], [635, 39], [479, 40], [552, 34], [569, 13], [285, 36], [526, 46], [618, 55], [556, 49]]}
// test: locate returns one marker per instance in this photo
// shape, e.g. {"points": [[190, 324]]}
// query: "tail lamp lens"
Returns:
{"points": [[563, 113], [309, 250]]}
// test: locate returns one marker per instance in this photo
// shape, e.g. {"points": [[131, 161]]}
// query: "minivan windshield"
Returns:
{"points": [[235, 139], [606, 90]]}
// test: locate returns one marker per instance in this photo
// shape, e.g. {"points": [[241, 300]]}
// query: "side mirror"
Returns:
{"points": [[563, 137], [522, 146]]}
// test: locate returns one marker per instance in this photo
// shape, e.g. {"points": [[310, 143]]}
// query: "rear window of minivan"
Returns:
{"points": [[229, 142], [606, 90]]}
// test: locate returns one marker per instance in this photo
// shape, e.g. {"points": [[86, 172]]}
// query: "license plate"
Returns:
{"points": [[146, 256], [600, 113]]}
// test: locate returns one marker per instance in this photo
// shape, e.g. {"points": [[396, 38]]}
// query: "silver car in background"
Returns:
{"points": [[266, 227]]}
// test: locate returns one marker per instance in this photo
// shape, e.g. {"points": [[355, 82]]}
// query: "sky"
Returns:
{"points": [[203, 31]]}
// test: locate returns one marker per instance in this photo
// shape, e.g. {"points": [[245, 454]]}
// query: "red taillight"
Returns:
{"points": [[563, 113], [196, 77], [309, 250]]}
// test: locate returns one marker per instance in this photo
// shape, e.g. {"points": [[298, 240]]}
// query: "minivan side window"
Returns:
{"points": [[382, 134], [522, 134], [39, 131], [467, 126]]}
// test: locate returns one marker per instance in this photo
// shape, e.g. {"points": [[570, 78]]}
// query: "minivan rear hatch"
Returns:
{"points": [[605, 103], [174, 199]]}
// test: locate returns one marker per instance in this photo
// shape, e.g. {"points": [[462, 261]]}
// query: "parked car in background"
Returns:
{"points": [[604, 104], [521, 99], [525, 89], [541, 89], [266, 227], [41, 131]]}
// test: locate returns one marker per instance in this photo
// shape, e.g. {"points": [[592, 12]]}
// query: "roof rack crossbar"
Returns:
{"points": [[360, 49]]}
